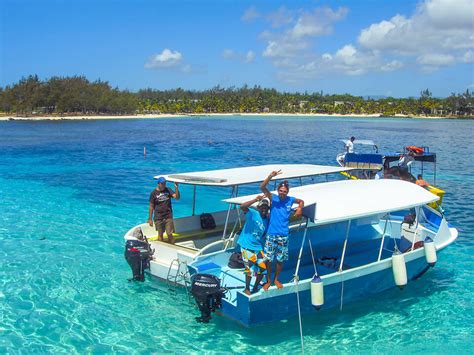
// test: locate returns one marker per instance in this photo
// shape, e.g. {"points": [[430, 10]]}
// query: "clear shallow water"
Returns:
{"points": [[70, 190]]}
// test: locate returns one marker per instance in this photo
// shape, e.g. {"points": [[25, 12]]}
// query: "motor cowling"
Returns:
{"points": [[138, 254], [206, 290]]}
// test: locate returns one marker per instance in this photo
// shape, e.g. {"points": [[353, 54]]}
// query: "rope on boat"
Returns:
{"points": [[299, 314], [342, 293], [342, 260], [312, 257], [296, 279]]}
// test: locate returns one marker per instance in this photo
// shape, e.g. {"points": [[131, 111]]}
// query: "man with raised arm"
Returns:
{"points": [[251, 241], [161, 209], [276, 245]]}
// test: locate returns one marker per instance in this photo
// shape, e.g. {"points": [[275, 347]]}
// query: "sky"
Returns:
{"points": [[360, 47]]}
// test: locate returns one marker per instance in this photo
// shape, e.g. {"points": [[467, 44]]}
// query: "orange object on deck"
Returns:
{"points": [[415, 149]]}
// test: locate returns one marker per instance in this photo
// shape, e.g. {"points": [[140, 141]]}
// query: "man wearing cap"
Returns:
{"points": [[160, 206], [251, 241]]}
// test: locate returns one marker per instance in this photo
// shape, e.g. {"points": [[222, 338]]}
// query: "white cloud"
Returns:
{"points": [[468, 57], [438, 33], [449, 13], [391, 66], [228, 54], [296, 37], [280, 18], [165, 59], [250, 14], [435, 60], [434, 33], [284, 47], [249, 57], [319, 22], [187, 68]]}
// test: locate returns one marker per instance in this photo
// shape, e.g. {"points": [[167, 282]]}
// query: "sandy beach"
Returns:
{"points": [[158, 116]]}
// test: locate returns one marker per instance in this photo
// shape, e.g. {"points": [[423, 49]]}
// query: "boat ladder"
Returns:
{"points": [[178, 274]]}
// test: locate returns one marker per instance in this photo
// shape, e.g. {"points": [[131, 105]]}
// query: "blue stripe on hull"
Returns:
{"points": [[285, 306]]}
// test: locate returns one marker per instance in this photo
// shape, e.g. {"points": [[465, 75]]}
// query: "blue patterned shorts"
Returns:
{"points": [[276, 248]]}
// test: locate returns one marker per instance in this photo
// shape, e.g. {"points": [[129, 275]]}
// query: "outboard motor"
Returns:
{"points": [[206, 290], [138, 254]]}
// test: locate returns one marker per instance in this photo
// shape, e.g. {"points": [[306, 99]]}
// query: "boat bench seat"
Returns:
{"points": [[189, 228], [197, 234]]}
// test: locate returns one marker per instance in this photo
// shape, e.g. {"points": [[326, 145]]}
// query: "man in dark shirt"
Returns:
{"points": [[160, 208]]}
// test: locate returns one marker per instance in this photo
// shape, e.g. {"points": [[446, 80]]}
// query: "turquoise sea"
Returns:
{"points": [[69, 190]]}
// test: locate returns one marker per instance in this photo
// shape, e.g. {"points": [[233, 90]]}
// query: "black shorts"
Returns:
{"points": [[165, 224]]}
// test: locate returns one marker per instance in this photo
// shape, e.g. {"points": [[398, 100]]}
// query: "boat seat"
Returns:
{"points": [[197, 234], [193, 235]]}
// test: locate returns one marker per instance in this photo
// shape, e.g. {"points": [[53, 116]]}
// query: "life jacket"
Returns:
{"points": [[415, 149]]}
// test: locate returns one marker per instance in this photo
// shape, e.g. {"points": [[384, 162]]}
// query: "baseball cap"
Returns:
{"points": [[161, 179], [263, 202]]}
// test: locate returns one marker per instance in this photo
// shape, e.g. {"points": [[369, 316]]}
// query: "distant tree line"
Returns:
{"points": [[77, 95], [73, 95]]}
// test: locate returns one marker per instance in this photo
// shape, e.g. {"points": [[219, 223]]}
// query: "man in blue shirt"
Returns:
{"points": [[276, 246], [251, 241]]}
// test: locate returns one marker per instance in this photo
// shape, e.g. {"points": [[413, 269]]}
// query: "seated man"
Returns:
{"points": [[251, 241], [421, 182], [401, 170]]}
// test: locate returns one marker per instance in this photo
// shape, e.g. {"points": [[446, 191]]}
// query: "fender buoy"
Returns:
{"points": [[317, 292], [399, 269], [430, 252], [415, 149]]}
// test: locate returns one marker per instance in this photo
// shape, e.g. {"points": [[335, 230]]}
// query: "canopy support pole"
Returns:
{"points": [[345, 245], [228, 213], [383, 236], [232, 233], [194, 200], [342, 261], [417, 212]]}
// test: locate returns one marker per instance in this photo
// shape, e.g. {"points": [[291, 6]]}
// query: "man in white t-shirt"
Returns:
{"points": [[350, 145]]}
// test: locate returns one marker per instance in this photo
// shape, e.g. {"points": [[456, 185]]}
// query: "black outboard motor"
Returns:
{"points": [[206, 290], [138, 255]]}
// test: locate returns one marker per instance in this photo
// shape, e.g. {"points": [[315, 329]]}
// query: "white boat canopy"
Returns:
{"points": [[350, 199], [251, 174], [359, 141]]}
